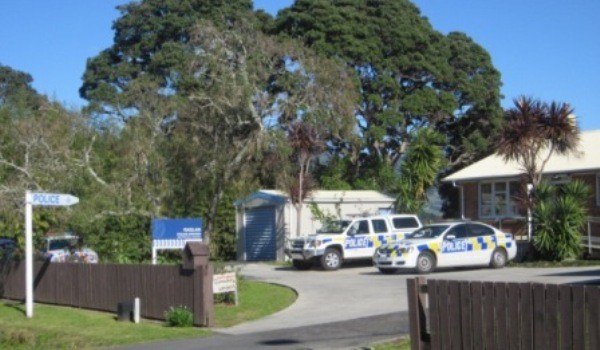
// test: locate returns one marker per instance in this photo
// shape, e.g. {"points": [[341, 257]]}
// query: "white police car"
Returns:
{"points": [[64, 248], [462, 243]]}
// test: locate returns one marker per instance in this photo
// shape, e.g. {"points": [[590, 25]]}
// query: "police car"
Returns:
{"points": [[64, 248], [344, 240], [462, 243]]}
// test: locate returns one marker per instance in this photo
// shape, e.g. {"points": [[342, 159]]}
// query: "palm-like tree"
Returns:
{"points": [[306, 143], [532, 133], [421, 164]]}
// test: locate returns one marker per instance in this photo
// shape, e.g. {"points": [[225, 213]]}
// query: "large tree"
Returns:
{"points": [[411, 76], [41, 147], [204, 93]]}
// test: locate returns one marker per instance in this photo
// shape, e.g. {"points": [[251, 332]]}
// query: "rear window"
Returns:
{"points": [[480, 230], [401, 223]]}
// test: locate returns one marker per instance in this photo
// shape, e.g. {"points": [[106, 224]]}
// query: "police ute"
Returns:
{"points": [[341, 240], [462, 243]]}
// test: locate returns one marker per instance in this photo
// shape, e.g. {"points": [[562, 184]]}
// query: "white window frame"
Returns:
{"points": [[508, 208]]}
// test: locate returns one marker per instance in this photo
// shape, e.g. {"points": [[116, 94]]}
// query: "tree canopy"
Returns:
{"points": [[196, 103], [411, 76]]}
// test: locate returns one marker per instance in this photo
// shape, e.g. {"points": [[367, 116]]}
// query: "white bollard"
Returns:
{"points": [[136, 310]]}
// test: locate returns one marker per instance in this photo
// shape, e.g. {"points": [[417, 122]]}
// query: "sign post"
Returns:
{"points": [[43, 199]]}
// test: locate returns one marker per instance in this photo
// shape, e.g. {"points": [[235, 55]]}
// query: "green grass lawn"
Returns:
{"points": [[257, 300], [566, 263], [400, 344], [54, 327]]}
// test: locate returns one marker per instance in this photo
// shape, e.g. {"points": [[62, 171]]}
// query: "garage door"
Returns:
{"points": [[260, 233]]}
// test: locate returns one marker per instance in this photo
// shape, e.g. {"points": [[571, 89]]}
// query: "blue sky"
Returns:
{"points": [[548, 49]]}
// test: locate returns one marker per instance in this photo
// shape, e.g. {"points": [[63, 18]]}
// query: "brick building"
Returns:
{"points": [[489, 188]]}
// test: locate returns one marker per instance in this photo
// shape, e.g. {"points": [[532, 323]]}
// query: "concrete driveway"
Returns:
{"points": [[346, 309], [356, 292]]}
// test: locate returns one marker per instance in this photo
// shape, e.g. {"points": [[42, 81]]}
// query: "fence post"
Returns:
{"points": [[195, 256], [416, 288]]}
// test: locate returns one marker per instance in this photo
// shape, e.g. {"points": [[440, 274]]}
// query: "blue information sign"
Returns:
{"points": [[182, 229]]}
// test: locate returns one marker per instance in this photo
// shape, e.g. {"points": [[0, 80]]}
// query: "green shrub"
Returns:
{"points": [[559, 218], [179, 317]]}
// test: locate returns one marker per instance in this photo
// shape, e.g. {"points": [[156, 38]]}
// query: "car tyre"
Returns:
{"points": [[388, 271], [425, 263], [499, 259], [331, 260], [302, 265]]}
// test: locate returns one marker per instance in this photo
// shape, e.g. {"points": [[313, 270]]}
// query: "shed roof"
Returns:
{"points": [[281, 197], [585, 160]]}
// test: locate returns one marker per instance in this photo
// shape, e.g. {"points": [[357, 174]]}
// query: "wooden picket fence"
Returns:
{"points": [[498, 315], [104, 286]]}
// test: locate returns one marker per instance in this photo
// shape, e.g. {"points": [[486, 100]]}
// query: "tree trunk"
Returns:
{"points": [[212, 213], [299, 204]]}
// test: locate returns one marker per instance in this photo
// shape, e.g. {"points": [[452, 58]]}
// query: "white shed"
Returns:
{"points": [[266, 218]]}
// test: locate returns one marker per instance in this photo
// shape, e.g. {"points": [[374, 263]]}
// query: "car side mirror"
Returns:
{"points": [[450, 237]]}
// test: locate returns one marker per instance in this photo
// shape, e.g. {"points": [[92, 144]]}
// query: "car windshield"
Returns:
{"points": [[335, 226], [428, 232], [59, 244]]}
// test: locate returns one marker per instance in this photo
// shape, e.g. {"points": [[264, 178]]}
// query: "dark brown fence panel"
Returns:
{"points": [[488, 315], [476, 315], [434, 315], [500, 306], [454, 315], [593, 313], [578, 317], [526, 307], [417, 290], [566, 316], [103, 286], [513, 327], [539, 331], [444, 319], [552, 317], [466, 312]]}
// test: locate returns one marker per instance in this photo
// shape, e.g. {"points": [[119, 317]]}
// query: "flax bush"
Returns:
{"points": [[559, 218]]}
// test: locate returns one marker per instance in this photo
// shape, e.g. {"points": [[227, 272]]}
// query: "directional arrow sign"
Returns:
{"points": [[52, 199]]}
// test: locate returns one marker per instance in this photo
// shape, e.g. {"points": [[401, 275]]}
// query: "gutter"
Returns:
{"points": [[462, 199]]}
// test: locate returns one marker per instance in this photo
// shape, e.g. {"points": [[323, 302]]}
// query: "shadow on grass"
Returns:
{"points": [[17, 305]]}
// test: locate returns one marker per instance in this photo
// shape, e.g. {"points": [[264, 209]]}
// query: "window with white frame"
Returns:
{"points": [[498, 199]]}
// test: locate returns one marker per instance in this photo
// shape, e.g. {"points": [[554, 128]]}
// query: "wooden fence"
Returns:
{"points": [[495, 315], [103, 286]]}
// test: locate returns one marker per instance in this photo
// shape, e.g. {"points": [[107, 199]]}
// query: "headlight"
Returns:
{"points": [[314, 244], [406, 249]]}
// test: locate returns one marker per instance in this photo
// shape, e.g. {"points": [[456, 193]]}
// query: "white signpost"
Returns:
{"points": [[42, 199]]}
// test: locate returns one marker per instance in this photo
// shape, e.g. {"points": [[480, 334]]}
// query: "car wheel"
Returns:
{"points": [[499, 259], [425, 263], [331, 260], [302, 264], [388, 271]]}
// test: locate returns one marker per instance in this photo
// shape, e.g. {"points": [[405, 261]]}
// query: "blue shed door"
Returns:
{"points": [[260, 233]]}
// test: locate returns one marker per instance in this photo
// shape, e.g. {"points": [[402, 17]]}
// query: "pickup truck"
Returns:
{"points": [[341, 240], [64, 248]]}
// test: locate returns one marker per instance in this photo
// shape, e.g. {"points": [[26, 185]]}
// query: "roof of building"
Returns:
{"points": [[281, 197], [585, 160]]}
